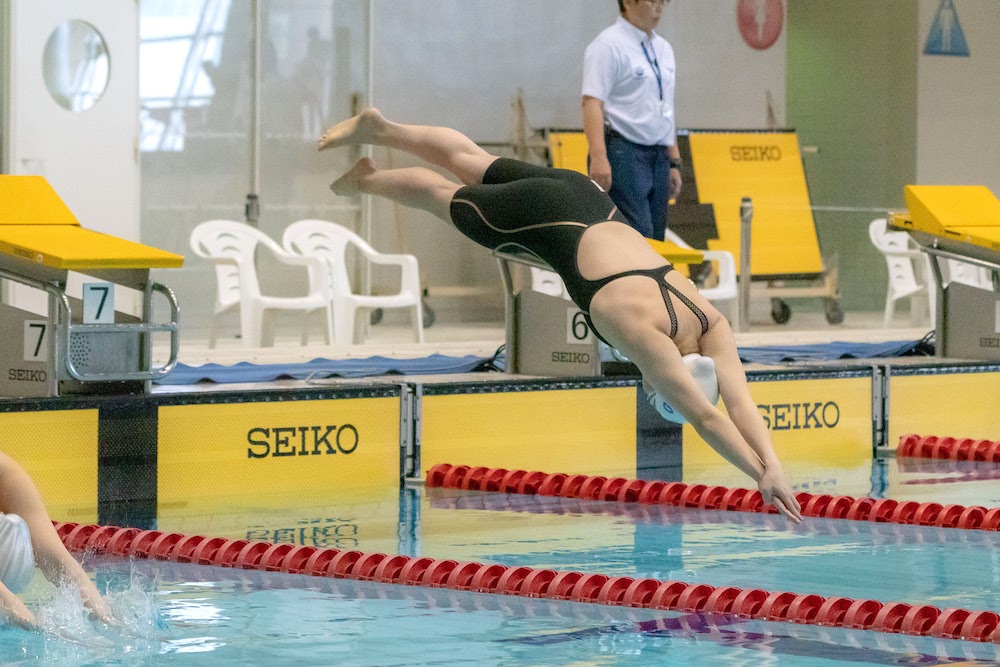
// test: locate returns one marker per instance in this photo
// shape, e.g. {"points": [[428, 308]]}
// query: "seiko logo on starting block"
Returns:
{"points": [[570, 358], [794, 416], [301, 441], [25, 375], [755, 153]]}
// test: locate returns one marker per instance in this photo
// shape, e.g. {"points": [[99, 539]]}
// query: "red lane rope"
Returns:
{"points": [[893, 617], [956, 449], [885, 533], [678, 494]]}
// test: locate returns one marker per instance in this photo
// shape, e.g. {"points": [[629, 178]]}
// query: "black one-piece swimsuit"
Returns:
{"points": [[544, 212]]}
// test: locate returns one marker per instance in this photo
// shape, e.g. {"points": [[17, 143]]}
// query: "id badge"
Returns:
{"points": [[665, 110]]}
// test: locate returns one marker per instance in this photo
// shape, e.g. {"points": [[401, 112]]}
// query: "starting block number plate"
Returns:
{"points": [[577, 330], [36, 347], [98, 303]]}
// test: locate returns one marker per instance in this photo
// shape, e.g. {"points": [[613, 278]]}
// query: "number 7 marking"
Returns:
{"points": [[41, 336], [104, 298]]}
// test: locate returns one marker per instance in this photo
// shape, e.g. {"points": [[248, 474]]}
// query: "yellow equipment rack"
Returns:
{"points": [[719, 169]]}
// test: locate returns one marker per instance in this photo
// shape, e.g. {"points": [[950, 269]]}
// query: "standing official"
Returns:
{"points": [[628, 116]]}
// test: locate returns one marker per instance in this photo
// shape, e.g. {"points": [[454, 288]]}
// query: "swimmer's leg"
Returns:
{"points": [[441, 146], [415, 187]]}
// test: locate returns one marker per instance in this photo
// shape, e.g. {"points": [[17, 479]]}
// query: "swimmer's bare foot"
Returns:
{"points": [[362, 129], [350, 183]]}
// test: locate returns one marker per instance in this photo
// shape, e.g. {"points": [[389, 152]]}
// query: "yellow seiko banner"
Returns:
{"points": [[821, 430], [276, 454], [576, 431], [767, 167], [958, 405], [58, 448]]}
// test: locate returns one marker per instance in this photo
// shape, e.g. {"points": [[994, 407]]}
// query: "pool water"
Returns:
{"points": [[185, 614], [215, 616]]}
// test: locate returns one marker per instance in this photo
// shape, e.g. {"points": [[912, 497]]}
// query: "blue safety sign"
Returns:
{"points": [[946, 37]]}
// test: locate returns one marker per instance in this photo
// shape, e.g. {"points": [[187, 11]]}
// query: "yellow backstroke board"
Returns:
{"points": [[767, 167], [935, 208], [76, 249], [675, 254], [30, 200], [569, 151], [36, 225]]}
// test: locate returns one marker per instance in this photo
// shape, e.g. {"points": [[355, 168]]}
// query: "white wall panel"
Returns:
{"points": [[958, 116]]}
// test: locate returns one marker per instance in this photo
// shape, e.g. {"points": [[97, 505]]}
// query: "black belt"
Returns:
{"points": [[615, 134]]}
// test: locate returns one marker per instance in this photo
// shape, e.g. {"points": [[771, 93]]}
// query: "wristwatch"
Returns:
{"points": [[676, 164]]}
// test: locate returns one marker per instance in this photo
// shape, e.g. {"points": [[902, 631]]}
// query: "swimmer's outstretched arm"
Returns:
{"points": [[735, 438], [14, 610], [719, 343], [19, 495]]}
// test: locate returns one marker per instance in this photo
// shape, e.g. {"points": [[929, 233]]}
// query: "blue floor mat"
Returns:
{"points": [[439, 364], [831, 351], [324, 368]]}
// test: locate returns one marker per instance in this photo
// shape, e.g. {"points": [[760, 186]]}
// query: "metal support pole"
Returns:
{"points": [[251, 207], [940, 326], [510, 316], [746, 217]]}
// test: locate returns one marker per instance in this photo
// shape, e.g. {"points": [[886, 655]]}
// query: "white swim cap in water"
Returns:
{"points": [[703, 371], [17, 561]]}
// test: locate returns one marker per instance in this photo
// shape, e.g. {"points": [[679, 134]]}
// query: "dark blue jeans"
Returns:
{"points": [[640, 184]]}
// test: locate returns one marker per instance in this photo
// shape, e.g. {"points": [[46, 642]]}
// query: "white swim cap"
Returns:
{"points": [[17, 561], [703, 371]]}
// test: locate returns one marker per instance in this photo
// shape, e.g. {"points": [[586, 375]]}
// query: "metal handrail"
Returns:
{"points": [[154, 373], [63, 328]]}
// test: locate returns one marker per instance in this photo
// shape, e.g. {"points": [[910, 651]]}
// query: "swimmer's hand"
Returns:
{"points": [[776, 490], [101, 611], [21, 617]]}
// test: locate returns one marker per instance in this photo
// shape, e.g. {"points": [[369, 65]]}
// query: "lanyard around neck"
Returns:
{"points": [[654, 63]]}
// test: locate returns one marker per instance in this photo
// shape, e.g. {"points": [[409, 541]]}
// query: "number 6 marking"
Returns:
{"points": [[577, 329]]}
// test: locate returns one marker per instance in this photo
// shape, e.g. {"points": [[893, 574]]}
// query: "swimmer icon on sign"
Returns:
{"points": [[760, 22]]}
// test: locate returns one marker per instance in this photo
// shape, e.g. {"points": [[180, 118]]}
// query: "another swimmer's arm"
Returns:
{"points": [[19, 495], [15, 611]]}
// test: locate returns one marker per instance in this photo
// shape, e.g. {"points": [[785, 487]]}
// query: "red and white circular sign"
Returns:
{"points": [[760, 22]]}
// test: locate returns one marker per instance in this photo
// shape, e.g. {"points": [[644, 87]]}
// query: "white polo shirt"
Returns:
{"points": [[618, 72]]}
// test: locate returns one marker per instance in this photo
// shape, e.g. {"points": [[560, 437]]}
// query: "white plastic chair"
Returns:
{"points": [[899, 257], [725, 290], [329, 241], [969, 274], [232, 247]]}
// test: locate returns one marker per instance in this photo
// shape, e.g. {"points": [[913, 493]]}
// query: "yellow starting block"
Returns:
{"points": [[960, 223], [956, 215], [74, 347]]}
